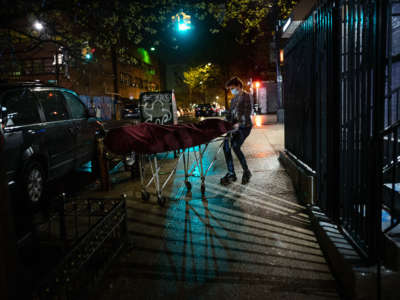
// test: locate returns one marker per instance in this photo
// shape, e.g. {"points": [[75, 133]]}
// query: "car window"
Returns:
{"points": [[20, 108], [76, 107], [53, 105]]}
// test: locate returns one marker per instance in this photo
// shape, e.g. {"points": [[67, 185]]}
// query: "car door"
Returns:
{"points": [[23, 131], [60, 132], [85, 128]]}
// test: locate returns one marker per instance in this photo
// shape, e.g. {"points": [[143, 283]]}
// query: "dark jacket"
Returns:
{"points": [[240, 110]]}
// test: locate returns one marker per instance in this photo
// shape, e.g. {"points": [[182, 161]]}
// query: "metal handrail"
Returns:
{"points": [[389, 129]]}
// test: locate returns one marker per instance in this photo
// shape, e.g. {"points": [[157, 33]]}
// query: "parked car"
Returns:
{"points": [[48, 132], [205, 110], [130, 111]]}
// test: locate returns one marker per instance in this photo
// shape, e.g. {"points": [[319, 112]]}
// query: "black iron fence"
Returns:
{"points": [[70, 250], [299, 100], [390, 136], [335, 109]]}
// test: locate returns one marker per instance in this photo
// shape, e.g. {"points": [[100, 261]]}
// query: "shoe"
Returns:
{"points": [[246, 177], [228, 178]]}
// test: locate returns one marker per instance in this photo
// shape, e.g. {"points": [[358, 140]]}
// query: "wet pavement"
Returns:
{"points": [[235, 242]]}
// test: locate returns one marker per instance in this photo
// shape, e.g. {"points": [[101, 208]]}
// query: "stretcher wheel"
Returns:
{"points": [[203, 188], [145, 196], [188, 185], [161, 200]]}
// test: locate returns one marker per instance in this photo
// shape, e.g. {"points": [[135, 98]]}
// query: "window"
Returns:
{"points": [[53, 105], [125, 79], [76, 107], [20, 108]]}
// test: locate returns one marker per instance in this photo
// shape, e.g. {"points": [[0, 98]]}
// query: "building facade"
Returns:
{"points": [[92, 76]]}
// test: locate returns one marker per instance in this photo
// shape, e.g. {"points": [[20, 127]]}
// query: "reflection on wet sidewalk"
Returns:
{"points": [[235, 242]]}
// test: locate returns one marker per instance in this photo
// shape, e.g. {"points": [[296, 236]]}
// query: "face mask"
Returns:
{"points": [[234, 92]]}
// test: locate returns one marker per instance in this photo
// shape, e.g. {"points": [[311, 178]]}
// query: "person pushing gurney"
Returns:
{"points": [[240, 116]]}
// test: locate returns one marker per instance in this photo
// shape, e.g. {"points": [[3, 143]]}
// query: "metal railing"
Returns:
{"points": [[73, 247], [391, 174], [334, 103]]}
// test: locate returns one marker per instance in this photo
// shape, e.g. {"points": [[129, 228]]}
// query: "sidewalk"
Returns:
{"points": [[238, 242]]}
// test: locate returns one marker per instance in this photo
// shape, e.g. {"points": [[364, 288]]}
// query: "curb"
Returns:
{"points": [[355, 278]]}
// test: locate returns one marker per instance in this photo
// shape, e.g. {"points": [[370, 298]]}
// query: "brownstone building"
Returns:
{"points": [[91, 77]]}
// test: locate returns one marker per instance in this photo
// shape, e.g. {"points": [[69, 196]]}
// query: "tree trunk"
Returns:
{"points": [[190, 96]]}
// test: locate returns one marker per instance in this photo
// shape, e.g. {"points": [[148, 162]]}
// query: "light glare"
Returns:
{"points": [[183, 27], [287, 24], [38, 26]]}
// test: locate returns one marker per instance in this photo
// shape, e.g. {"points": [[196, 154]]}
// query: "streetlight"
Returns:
{"points": [[38, 26], [257, 85]]}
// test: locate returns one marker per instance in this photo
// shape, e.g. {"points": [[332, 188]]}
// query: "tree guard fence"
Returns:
{"points": [[68, 253]]}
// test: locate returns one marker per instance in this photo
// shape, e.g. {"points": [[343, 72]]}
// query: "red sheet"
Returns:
{"points": [[153, 138]]}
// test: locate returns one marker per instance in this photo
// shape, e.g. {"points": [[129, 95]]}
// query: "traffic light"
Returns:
{"points": [[87, 53], [257, 84], [183, 21]]}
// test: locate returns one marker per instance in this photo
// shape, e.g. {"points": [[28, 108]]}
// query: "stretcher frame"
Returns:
{"points": [[184, 154]]}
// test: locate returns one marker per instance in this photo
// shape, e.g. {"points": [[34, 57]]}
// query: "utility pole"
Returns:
{"points": [[114, 61], [57, 67], [277, 55]]}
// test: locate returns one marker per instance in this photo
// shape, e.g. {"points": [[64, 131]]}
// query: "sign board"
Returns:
{"points": [[158, 107]]}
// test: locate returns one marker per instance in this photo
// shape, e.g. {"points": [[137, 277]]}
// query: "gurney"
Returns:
{"points": [[191, 141]]}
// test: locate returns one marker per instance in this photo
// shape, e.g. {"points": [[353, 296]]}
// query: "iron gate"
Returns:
{"points": [[390, 136], [298, 92], [335, 63]]}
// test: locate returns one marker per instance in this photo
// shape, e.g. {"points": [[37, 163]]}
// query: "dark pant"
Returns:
{"points": [[236, 142]]}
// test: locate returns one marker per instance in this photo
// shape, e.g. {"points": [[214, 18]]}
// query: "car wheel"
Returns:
{"points": [[34, 182]]}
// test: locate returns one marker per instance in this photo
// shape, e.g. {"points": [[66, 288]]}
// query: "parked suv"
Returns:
{"points": [[130, 110], [47, 133]]}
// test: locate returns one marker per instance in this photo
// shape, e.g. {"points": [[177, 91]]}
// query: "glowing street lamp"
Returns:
{"points": [[38, 26], [257, 85]]}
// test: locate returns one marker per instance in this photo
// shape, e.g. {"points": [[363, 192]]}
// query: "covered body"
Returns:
{"points": [[149, 138]]}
